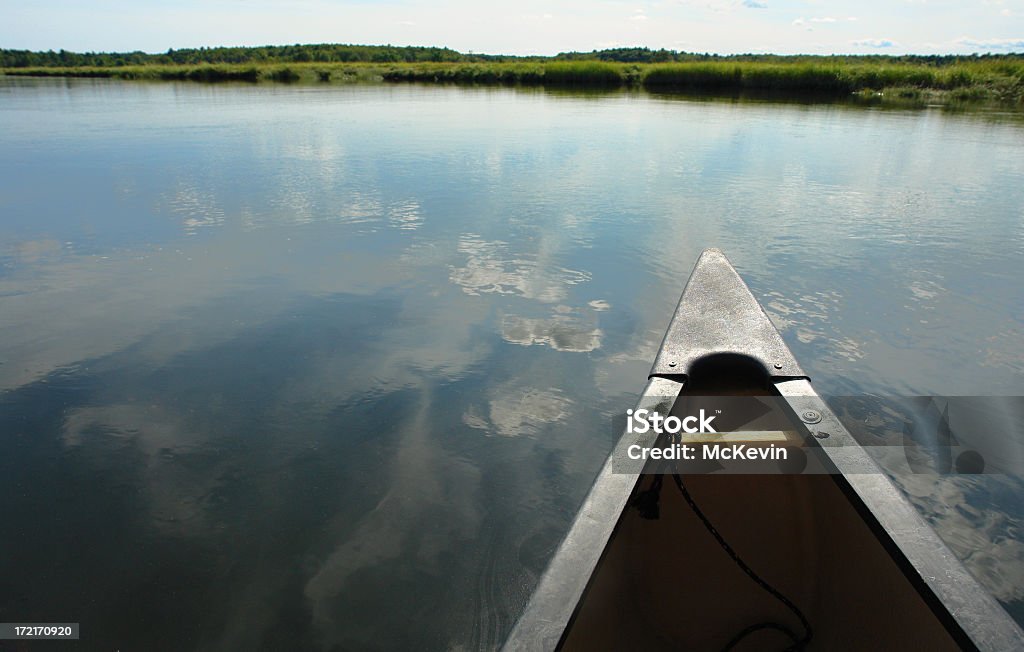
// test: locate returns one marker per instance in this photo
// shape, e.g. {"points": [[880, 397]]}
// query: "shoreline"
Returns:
{"points": [[999, 83]]}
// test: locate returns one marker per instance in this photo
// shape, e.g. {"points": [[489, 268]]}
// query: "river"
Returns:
{"points": [[332, 367]]}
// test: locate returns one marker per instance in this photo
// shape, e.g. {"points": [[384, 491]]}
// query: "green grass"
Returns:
{"points": [[1001, 82], [585, 73], [979, 80], [582, 73]]}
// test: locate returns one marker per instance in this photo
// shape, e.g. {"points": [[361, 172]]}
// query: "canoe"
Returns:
{"points": [[827, 555]]}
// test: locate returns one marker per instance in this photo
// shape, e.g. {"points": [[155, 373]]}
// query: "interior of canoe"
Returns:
{"points": [[666, 583]]}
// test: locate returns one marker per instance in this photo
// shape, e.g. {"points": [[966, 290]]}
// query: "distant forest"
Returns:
{"points": [[333, 53]]}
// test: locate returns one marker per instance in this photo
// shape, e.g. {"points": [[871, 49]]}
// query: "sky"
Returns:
{"points": [[526, 26]]}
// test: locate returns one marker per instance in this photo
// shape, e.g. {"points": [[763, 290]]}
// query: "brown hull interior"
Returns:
{"points": [[667, 584]]}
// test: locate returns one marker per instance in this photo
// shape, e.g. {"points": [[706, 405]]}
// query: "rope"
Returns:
{"points": [[798, 643]]}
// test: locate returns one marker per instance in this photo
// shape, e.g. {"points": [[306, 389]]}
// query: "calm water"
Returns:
{"points": [[332, 368]]}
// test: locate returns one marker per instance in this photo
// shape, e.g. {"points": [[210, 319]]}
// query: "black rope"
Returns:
{"points": [[798, 643], [758, 627]]}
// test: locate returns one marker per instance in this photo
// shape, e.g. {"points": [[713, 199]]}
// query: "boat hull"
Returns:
{"points": [[643, 569]]}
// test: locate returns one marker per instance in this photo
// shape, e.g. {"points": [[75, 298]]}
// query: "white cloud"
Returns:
{"points": [[491, 269], [873, 43], [755, 4], [563, 332], [517, 410], [714, 6], [808, 23], [992, 43]]}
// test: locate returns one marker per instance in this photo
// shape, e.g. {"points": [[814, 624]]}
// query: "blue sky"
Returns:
{"points": [[526, 26]]}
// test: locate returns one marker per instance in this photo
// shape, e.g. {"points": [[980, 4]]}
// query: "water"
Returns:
{"points": [[333, 367]]}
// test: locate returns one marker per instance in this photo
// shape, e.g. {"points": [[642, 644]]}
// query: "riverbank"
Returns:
{"points": [[986, 80]]}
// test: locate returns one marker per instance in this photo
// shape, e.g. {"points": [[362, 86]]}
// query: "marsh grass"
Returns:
{"points": [[979, 80], [585, 73], [570, 73], [982, 80], [285, 75]]}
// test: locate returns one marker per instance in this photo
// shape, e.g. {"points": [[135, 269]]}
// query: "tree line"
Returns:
{"points": [[338, 53], [326, 53]]}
